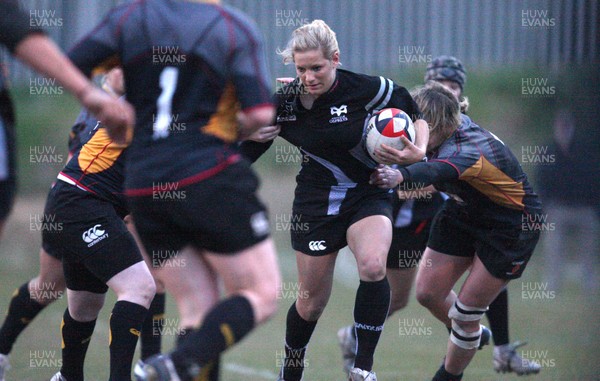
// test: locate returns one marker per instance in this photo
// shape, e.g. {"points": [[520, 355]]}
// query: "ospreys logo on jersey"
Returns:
{"points": [[287, 115], [338, 111]]}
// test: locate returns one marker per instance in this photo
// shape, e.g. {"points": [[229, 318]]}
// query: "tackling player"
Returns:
{"points": [[478, 228], [412, 225], [323, 112], [187, 87]]}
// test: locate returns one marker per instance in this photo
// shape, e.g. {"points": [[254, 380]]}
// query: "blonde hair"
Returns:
{"points": [[439, 107], [316, 35]]}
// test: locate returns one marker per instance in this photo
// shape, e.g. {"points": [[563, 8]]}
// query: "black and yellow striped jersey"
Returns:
{"points": [[480, 173], [98, 164]]}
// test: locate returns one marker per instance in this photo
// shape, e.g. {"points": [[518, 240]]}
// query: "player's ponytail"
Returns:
{"points": [[316, 35]]}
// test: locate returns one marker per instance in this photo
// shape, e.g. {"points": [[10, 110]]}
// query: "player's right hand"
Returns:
{"points": [[265, 134], [385, 177], [117, 115]]}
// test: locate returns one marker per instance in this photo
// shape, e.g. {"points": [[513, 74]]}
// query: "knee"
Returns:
{"points": [[147, 289], [140, 291], [466, 329], [263, 298], [426, 296], [311, 309], [371, 269], [88, 310]]}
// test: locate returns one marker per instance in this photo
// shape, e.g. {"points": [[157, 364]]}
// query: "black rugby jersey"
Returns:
{"points": [[189, 67], [331, 135], [481, 174], [97, 165]]}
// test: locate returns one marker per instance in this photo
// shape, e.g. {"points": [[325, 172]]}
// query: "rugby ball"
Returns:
{"points": [[386, 127]]}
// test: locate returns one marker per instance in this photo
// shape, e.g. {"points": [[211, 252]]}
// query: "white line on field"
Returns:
{"points": [[248, 371]]}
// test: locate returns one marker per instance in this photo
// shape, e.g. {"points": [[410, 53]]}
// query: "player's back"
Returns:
{"points": [[188, 67]]}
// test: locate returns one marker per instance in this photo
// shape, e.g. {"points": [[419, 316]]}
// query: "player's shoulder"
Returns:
{"points": [[365, 81], [473, 131], [372, 90]]}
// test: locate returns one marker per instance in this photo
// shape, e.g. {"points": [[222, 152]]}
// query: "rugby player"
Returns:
{"points": [[207, 68], [323, 112], [97, 252], [412, 223], [33, 296], [478, 228]]}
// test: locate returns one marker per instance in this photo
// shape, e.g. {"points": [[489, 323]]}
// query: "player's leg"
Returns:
{"points": [[315, 280], [497, 315], [194, 287], [11, 328], [251, 278], [29, 299], [479, 289], [434, 282], [77, 326], [401, 281], [449, 253], [369, 240], [408, 244], [235, 242], [112, 261], [150, 336], [505, 356], [135, 288]]}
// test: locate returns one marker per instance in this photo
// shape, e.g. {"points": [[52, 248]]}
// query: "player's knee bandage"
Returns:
{"points": [[460, 312]]}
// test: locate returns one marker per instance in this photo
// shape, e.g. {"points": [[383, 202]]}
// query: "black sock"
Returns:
{"points": [[21, 311], [76, 338], [443, 375], [226, 324], [152, 327], [370, 311], [125, 323], [297, 335], [209, 372], [497, 315]]}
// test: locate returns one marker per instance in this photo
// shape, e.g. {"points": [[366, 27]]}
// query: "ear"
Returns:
{"points": [[335, 58]]}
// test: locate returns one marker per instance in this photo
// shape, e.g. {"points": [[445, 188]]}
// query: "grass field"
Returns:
{"points": [[562, 326]]}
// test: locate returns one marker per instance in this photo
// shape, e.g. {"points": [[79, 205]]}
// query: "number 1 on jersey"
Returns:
{"points": [[168, 84]]}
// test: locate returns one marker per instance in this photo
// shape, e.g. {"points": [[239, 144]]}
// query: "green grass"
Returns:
{"points": [[564, 329]]}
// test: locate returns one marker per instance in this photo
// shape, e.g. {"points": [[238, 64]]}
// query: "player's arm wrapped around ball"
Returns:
{"points": [[422, 174]]}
